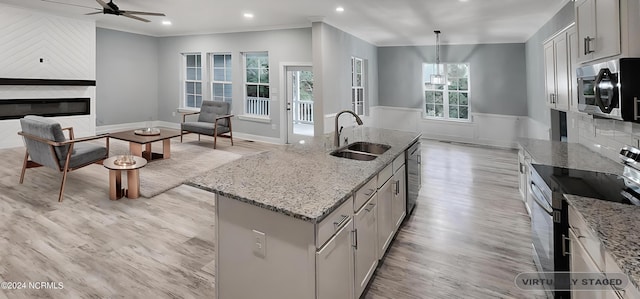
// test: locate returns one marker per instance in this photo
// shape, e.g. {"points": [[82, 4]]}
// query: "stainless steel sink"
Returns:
{"points": [[363, 151], [353, 155], [367, 147]]}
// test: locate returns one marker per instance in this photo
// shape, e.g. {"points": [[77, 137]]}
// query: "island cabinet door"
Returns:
{"points": [[399, 205], [385, 223], [366, 258], [335, 267]]}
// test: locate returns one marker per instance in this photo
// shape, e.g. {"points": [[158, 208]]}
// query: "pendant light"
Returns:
{"points": [[437, 78]]}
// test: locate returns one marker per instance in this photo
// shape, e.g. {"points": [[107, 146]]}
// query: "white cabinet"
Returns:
{"points": [[334, 265], [385, 223], [399, 203], [557, 69], [366, 244], [572, 44], [524, 168], [582, 263], [598, 23]]}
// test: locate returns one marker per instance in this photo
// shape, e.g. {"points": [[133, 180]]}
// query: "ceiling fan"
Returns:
{"points": [[112, 9]]}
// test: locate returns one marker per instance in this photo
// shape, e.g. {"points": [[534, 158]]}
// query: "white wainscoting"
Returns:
{"points": [[485, 129]]}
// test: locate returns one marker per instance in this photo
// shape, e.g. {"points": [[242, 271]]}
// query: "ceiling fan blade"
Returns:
{"points": [[70, 4], [93, 13], [133, 12], [134, 17], [104, 4]]}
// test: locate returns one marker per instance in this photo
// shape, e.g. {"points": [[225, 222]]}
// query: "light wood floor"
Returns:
{"points": [[468, 237]]}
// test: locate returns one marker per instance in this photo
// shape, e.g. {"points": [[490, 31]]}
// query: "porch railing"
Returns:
{"points": [[303, 112], [257, 106]]}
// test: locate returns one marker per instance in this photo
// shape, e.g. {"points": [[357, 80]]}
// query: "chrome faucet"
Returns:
{"points": [[336, 132]]}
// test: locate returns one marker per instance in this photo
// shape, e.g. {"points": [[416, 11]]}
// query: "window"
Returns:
{"points": [[450, 100], [221, 81], [257, 83], [357, 85], [192, 81]]}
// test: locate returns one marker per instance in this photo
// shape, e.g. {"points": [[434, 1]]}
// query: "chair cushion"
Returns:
{"points": [[204, 128], [47, 129], [86, 153], [210, 110]]}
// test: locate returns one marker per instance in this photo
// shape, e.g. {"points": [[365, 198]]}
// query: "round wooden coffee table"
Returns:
{"points": [[115, 176]]}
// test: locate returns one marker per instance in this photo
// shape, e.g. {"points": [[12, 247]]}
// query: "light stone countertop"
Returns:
{"points": [[616, 225], [303, 180], [568, 155]]}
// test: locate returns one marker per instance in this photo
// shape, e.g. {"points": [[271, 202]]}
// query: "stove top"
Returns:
{"points": [[593, 184]]}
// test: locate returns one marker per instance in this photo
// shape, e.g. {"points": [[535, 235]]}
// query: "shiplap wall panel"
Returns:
{"points": [[67, 46]]}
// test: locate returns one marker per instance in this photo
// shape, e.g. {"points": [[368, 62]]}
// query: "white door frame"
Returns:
{"points": [[284, 125]]}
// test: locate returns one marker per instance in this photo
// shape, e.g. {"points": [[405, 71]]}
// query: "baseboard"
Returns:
{"points": [[259, 138]]}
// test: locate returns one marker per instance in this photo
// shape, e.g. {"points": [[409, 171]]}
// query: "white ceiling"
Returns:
{"points": [[381, 22]]}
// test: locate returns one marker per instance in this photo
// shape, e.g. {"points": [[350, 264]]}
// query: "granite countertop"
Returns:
{"points": [[568, 155], [616, 225], [302, 180]]}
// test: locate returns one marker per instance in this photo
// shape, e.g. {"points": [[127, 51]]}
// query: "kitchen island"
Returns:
{"points": [[287, 221]]}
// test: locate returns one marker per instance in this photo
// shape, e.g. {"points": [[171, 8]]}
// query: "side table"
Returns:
{"points": [[115, 177]]}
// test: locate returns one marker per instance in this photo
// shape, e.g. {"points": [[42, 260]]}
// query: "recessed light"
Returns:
{"points": [[339, 9], [463, 0], [248, 15], [166, 22]]}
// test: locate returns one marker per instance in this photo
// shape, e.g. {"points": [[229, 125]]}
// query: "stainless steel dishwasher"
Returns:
{"points": [[414, 175]]}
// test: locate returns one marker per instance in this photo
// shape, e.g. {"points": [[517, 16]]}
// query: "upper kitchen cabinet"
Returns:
{"points": [[558, 68], [598, 29]]}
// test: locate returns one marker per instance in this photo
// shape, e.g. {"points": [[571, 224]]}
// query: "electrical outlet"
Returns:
{"points": [[259, 243]]}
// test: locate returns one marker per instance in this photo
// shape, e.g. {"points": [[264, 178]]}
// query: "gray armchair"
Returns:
{"points": [[213, 120], [47, 146]]}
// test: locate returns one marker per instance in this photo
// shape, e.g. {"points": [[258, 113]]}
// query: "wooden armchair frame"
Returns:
{"points": [[215, 127]]}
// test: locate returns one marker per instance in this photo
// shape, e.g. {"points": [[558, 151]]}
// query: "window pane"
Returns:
{"points": [[191, 74], [218, 74], [453, 111], [198, 101], [218, 99], [439, 97], [464, 84], [227, 91], [218, 90], [264, 75], [190, 87], [358, 80], [198, 63], [198, 88], [191, 60], [463, 98], [453, 84], [218, 60], [227, 61], [464, 112], [439, 110], [252, 61], [358, 66], [227, 73], [264, 91], [191, 102], [198, 73], [453, 98], [252, 90], [429, 96], [252, 75]]}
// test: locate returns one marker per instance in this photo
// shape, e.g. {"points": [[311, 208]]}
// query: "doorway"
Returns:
{"points": [[299, 106]]}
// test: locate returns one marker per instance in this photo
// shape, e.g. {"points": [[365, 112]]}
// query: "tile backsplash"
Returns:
{"points": [[604, 136]]}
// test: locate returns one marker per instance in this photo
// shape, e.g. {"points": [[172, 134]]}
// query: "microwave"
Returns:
{"points": [[610, 89]]}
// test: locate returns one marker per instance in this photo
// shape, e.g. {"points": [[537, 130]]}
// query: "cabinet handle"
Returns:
{"points": [[564, 245], [587, 45], [339, 224], [355, 238], [370, 192], [370, 207], [397, 187], [419, 159]]}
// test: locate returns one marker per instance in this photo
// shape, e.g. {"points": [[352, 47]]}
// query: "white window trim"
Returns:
{"points": [[212, 74], [446, 96], [183, 79], [249, 116], [354, 87]]}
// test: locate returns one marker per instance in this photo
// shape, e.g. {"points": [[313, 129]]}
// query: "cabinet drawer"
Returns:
{"points": [[364, 193], [330, 225], [385, 175], [398, 162], [587, 237]]}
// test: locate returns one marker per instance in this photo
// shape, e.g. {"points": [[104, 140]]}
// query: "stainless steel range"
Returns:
{"points": [[549, 213]]}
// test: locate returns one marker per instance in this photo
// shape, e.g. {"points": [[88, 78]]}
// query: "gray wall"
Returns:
{"points": [[498, 75], [126, 77], [536, 100], [336, 48], [292, 45]]}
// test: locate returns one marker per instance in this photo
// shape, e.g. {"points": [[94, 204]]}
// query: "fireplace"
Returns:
{"points": [[18, 108]]}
